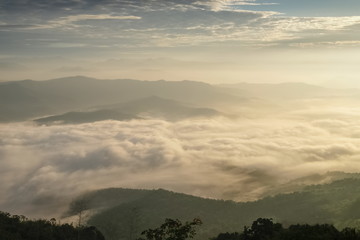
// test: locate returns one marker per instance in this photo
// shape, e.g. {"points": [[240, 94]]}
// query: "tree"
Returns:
{"points": [[133, 223], [78, 207], [20, 228], [172, 230], [262, 229], [228, 236], [91, 233]]}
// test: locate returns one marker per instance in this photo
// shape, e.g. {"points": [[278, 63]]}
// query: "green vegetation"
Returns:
{"points": [[336, 203], [172, 230], [20, 228], [329, 211], [266, 229]]}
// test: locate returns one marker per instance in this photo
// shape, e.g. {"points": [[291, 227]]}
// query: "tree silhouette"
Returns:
{"points": [[172, 230], [20, 228], [262, 229], [265, 229], [78, 207]]}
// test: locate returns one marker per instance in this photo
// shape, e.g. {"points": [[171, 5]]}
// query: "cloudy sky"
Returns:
{"points": [[207, 40]]}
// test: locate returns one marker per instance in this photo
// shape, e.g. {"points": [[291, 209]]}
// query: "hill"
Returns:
{"points": [[22, 100], [85, 117], [14, 227], [150, 107], [120, 211], [289, 90], [157, 107]]}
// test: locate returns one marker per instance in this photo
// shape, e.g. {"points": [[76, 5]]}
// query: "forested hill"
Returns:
{"points": [[14, 227], [124, 212]]}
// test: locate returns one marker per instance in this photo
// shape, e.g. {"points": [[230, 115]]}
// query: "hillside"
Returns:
{"points": [[14, 227], [158, 107], [290, 90], [22, 100], [85, 117], [336, 203], [150, 107]]}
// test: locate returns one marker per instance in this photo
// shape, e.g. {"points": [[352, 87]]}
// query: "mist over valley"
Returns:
{"points": [[170, 135]]}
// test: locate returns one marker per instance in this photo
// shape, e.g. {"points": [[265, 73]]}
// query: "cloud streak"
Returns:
{"points": [[69, 20]]}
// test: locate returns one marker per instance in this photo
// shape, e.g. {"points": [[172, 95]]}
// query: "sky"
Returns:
{"points": [[215, 41]]}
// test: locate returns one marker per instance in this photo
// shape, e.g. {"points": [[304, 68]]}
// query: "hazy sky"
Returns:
{"points": [[213, 41]]}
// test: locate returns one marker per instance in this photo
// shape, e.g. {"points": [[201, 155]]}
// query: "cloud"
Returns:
{"points": [[15, 26], [10, 66], [310, 8], [219, 158], [69, 20], [72, 69], [230, 5], [176, 23]]}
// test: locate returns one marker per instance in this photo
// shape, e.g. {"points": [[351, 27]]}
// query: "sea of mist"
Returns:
{"points": [[242, 159]]}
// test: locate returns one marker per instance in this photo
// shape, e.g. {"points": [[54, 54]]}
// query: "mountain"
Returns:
{"points": [[123, 212], [163, 108], [150, 107], [300, 184], [21, 228], [85, 117], [344, 83], [22, 100], [289, 90]]}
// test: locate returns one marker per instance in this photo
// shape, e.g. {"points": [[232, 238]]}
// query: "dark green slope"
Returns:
{"points": [[327, 203], [336, 203], [15, 227], [150, 210]]}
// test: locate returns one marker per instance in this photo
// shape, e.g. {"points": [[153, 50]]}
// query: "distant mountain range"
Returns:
{"points": [[150, 107], [74, 98], [23, 100], [290, 90], [120, 212], [85, 117]]}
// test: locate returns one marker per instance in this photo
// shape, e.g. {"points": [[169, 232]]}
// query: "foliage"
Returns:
{"points": [[228, 236], [262, 228], [336, 203], [172, 230], [266, 229], [14, 227], [78, 207]]}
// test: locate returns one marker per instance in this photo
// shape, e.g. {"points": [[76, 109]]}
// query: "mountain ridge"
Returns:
{"points": [[148, 107], [334, 203], [61, 95]]}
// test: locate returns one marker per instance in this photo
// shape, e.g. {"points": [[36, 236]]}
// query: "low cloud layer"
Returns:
{"points": [[43, 167]]}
